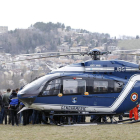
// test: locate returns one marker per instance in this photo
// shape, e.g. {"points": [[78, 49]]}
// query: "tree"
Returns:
{"points": [[68, 28], [58, 25], [63, 26], [137, 37]]}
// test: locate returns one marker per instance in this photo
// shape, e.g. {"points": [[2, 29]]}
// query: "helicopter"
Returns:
{"points": [[94, 87]]}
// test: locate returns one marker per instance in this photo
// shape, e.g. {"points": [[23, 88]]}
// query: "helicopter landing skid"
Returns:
{"points": [[67, 119], [133, 121], [126, 121], [104, 123]]}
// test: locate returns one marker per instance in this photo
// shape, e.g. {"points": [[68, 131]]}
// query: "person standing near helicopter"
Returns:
{"points": [[135, 112], [14, 103], [5, 100]]}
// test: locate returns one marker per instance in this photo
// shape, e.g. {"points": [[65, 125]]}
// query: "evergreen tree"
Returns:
{"points": [[63, 26], [137, 37], [68, 28]]}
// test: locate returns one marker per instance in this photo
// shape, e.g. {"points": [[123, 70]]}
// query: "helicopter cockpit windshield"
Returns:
{"points": [[33, 88]]}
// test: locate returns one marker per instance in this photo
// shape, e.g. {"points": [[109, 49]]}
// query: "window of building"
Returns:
{"points": [[71, 86], [53, 88]]}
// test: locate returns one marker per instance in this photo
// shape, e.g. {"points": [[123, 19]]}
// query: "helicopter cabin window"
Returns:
{"points": [[104, 86], [71, 86], [53, 88], [100, 86], [118, 86]]}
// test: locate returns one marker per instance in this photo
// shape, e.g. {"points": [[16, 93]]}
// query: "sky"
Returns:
{"points": [[116, 17]]}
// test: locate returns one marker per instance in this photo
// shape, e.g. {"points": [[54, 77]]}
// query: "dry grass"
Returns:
{"points": [[93, 132]]}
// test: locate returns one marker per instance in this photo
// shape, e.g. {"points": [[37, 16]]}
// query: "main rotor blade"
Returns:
{"points": [[31, 54], [39, 58], [130, 54], [126, 50]]}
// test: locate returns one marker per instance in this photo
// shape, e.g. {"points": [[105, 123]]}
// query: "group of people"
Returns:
{"points": [[10, 106]]}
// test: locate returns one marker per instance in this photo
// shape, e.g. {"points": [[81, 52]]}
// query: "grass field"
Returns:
{"points": [[52, 132]]}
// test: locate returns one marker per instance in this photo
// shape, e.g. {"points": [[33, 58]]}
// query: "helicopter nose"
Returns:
{"points": [[29, 91], [25, 98], [21, 93], [28, 95], [27, 101]]}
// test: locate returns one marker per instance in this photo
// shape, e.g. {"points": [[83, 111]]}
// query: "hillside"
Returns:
{"points": [[129, 44], [49, 36]]}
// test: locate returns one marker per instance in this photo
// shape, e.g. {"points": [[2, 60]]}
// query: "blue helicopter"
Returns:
{"points": [[95, 86]]}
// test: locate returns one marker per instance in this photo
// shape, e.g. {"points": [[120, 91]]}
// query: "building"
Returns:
{"points": [[112, 48], [3, 29], [75, 49], [84, 48], [63, 47]]}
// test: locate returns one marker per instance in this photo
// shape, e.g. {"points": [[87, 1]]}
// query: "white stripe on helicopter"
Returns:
{"points": [[132, 81], [95, 69], [70, 69], [111, 69]]}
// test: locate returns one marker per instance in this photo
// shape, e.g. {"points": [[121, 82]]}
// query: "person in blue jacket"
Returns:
{"points": [[14, 103]]}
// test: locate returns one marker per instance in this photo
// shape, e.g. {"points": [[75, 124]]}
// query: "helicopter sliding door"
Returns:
{"points": [[73, 90], [103, 92]]}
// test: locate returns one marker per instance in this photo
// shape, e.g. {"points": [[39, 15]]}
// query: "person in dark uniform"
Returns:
{"points": [[1, 110], [5, 100], [14, 103]]}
